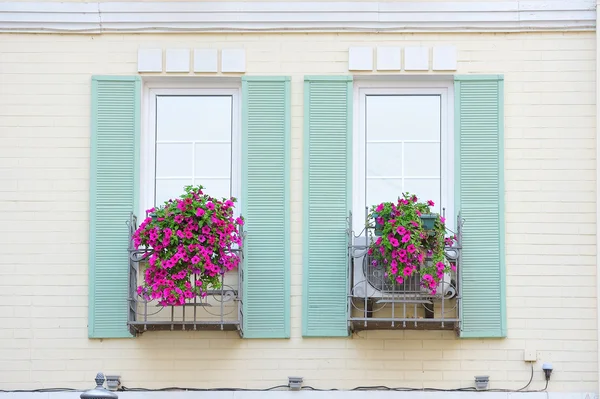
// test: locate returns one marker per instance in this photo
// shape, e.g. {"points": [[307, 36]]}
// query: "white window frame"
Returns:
{"points": [[148, 137], [442, 87]]}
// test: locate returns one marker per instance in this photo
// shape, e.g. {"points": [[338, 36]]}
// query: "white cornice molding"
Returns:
{"points": [[285, 16]]}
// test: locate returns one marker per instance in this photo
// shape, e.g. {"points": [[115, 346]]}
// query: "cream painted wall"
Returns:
{"points": [[550, 215]]}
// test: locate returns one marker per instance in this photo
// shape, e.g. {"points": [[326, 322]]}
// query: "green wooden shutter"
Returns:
{"points": [[265, 203], [327, 201], [114, 185], [479, 130]]}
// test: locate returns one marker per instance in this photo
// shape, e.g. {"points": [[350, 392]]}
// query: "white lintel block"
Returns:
{"points": [[205, 60], [388, 58], [149, 60], [360, 59], [233, 60], [416, 59], [178, 60], [444, 58]]}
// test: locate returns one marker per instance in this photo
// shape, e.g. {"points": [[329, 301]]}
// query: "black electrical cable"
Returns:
{"points": [[124, 389], [530, 379], [41, 390], [306, 387]]}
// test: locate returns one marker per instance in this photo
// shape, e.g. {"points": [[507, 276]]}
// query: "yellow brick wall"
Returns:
{"points": [[550, 216]]}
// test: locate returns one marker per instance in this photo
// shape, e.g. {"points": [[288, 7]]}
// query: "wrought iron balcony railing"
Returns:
{"points": [[221, 309], [376, 303]]}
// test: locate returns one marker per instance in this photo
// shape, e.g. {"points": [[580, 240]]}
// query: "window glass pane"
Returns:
{"points": [[213, 160], [384, 159], [217, 188], [170, 189], [422, 159], [425, 189], [403, 135], [193, 141], [173, 160], [405, 117], [197, 118], [383, 190]]}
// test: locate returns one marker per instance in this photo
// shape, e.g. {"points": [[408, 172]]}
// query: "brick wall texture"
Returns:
{"points": [[550, 223]]}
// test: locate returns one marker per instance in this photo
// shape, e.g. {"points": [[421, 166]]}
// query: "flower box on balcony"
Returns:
{"points": [[413, 242], [193, 239], [428, 221], [378, 226]]}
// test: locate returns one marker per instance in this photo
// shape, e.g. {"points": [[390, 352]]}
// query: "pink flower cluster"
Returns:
{"points": [[405, 246], [191, 239]]}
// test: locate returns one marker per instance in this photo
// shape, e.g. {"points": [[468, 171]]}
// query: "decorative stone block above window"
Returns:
{"points": [[444, 58], [389, 58], [416, 58], [150, 60], [205, 60], [360, 59], [178, 60], [233, 60]]}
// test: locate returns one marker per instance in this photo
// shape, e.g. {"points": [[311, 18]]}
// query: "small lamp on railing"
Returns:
{"points": [[99, 392]]}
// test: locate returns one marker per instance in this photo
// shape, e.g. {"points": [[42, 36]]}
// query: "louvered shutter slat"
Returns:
{"points": [[266, 176], [113, 195], [480, 195], [327, 165]]}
